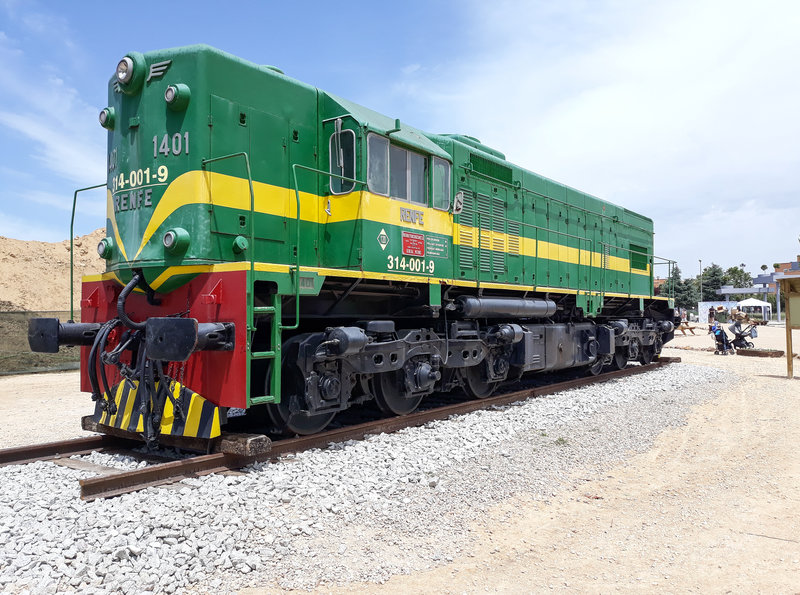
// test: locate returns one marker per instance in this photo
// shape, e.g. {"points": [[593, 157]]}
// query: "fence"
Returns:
{"points": [[15, 355]]}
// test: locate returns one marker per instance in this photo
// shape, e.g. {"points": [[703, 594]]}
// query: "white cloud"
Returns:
{"points": [[672, 110], [73, 158], [48, 131], [91, 203]]}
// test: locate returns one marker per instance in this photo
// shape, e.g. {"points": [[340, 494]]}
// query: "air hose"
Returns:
{"points": [[139, 326]]}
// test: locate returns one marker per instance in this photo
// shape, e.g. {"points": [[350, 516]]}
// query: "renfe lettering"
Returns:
{"points": [[135, 199], [411, 216]]}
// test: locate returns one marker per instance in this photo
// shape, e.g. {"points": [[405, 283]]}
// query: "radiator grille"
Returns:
{"points": [[491, 169]]}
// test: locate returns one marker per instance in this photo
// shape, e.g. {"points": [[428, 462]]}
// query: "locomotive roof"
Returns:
{"points": [[415, 138], [408, 135]]}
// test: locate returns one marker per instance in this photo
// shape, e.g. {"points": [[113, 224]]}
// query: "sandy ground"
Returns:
{"points": [[41, 408], [712, 507], [23, 262]]}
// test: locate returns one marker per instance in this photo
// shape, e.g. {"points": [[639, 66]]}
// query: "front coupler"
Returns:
{"points": [[146, 400], [45, 335]]}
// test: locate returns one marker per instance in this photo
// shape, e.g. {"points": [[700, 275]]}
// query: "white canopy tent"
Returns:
{"points": [[757, 307]]}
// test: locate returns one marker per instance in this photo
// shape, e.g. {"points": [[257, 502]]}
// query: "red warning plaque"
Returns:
{"points": [[413, 244]]}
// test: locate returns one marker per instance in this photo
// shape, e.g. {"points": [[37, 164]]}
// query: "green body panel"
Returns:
{"points": [[237, 106], [249, 133]]}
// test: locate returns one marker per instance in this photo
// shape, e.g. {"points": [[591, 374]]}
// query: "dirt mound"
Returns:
{"points": [[34, 276]]}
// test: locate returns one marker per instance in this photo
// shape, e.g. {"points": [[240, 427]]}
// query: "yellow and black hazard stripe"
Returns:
{"points": [[196, 417]]}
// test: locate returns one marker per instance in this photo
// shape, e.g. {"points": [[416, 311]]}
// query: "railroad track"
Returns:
{"points": [[115, 484]]}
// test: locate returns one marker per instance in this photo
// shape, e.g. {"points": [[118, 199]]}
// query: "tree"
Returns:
{"points": [[686, 294], [737, 277], [764, 268], [684, 290], [713, 279]]}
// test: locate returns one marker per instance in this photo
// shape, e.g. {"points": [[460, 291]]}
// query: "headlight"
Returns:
{"points": [[130, 73], [176, 240], [107, 118], [125, 70], [177, 96], [105, 248], [169, 239]]}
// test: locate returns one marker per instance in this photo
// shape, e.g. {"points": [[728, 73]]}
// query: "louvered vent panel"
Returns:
{"points": [[483, 217], [486, 260], [498, 244], [498, 214], [467, 216], [499, 255], [465, 240], [485, 251], [513, 237]]}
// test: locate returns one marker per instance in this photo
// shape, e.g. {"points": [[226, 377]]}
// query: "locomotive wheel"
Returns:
{"points": [[296, 423], [595, 368], [620, 359], [646, 354], [475, 383], [292, 384], [390, 393]]}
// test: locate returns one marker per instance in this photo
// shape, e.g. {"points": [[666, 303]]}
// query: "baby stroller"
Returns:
{"points": [[741, 335], [721, 342]]}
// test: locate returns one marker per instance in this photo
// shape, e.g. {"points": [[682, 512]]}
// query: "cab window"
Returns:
{"points": [[441, 184], [378, 164], [342, 150], [409, 175], [417, 178], [398, 163], [403, 174]]}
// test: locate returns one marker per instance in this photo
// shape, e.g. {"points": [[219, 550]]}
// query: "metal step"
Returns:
{"points": [[262, 400]]}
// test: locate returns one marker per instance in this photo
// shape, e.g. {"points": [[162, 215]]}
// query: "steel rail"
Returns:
{"points": [[130, 481], [106, 486], [64, 448]]}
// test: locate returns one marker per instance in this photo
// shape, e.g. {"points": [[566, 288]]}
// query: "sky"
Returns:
{"points": [[687, 111]]}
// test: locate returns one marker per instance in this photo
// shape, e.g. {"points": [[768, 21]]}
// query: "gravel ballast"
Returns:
{"points": [[357, 511]]}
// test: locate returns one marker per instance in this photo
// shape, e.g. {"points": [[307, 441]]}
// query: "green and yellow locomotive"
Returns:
{"points": [[277, 249]]}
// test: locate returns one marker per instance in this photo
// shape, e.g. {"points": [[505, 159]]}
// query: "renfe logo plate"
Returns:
{"points": [[413, 244]]}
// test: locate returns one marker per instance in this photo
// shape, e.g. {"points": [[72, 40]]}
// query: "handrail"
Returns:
{"points": [[585, 210], [589, 248], [72, 250], [295, 167], [480, 229], [651, 260], [252, 228]]}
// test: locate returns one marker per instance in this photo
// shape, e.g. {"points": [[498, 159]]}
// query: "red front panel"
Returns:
{"points": [[219, 376]]}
